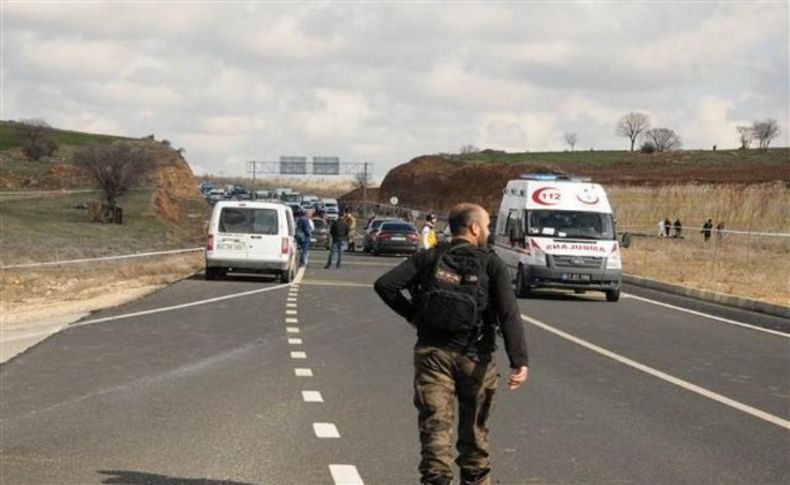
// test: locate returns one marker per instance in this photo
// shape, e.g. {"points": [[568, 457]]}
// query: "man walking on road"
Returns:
{"points": [[459, 292], [304, 229], [339, 234]]}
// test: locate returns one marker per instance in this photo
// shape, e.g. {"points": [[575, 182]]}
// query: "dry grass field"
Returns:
{"points": [[750, 265], [96, 285]]}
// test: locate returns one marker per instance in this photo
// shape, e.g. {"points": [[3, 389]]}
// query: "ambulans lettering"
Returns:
{"points": [[558, 246]]}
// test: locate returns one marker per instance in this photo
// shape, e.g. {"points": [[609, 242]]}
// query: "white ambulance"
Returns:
{"points": [[555, 231]]}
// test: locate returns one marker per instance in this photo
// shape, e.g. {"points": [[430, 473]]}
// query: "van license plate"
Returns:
{"points": [[398, 238], [575, 277]]}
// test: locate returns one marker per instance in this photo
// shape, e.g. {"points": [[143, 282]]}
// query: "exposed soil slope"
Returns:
{"points": [[437, 182]]}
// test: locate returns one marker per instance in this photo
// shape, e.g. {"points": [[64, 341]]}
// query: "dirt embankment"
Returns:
{"points": [[436, 182]]}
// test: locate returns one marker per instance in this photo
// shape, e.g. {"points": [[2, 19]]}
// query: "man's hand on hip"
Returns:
{"points": [[517, 377]]}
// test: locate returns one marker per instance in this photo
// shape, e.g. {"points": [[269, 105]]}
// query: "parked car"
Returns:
{"points": [[255, 237], [320, 236], [372, 230], [396, 237]]}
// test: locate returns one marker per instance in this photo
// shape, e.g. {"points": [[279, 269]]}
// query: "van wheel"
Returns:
{"points": [[215, 273], [287, 276], [613, 295], [522, 288]]}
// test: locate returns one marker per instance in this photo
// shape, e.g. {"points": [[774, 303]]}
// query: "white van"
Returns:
{"points": [[558, 232], [251, 237]]}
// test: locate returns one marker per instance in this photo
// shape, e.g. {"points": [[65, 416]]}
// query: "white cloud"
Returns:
{"points": [[386, 82]]}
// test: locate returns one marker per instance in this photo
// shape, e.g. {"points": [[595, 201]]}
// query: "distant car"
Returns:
{"points": [[396, 237], [216, 195], [320, 236], [251, 237], [372, 229]]}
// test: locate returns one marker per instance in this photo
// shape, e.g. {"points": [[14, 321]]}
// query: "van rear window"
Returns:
{"points": [[242, 220]]}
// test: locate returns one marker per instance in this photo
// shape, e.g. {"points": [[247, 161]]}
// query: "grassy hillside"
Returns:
{"points": [[618, 157], [11, 136]]}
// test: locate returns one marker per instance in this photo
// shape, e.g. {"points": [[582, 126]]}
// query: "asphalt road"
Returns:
{"points": [[627, 392]]}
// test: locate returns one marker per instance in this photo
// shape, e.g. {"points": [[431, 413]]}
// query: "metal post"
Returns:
{"points": [[365, 184], [254, 166]]}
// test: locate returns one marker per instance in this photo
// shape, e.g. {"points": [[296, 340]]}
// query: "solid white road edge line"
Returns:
{"points": [[345, 475], [662, 375], [325, 430], [335, 283], [176, 307], [712, 317]]}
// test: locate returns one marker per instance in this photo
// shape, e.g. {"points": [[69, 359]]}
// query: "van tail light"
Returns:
{"points": [[284, 246], [210, 243], [384, 235]]}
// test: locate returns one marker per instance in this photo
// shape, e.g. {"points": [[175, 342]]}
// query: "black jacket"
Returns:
{"points": [[502, 309], [339, 230]]}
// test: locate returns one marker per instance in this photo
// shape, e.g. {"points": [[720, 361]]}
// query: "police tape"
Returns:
{"points": [[625, 228], [103, 258]]}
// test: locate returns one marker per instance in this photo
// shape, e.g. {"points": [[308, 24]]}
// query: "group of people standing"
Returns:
{"points": [[341, 233], [667, 228]]}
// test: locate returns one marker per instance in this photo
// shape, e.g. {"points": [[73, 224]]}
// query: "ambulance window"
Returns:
{"points": [[515, 228]]}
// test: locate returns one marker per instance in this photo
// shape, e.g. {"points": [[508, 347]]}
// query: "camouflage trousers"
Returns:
{"points": [[441, 376]]}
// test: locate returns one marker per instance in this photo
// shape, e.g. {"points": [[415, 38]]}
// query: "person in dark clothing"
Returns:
{"points": [[678, 229], [707, 228], [304, 229], [339, 234], [667, 226], [450, 365]]}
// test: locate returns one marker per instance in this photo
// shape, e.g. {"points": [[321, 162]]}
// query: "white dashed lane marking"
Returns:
{"points": [[298, 355], [312, 396], [326, 430], [302, 372], [290, 305], [292, 300], [295, 341], [291, 312], [345, 475], [292, 329], [291, 320]]}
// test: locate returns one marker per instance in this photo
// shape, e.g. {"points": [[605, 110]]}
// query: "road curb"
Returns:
{"points": [[710, 296]]}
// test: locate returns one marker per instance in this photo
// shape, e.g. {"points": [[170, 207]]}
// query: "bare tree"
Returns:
{"points": [[570, 139], [663, 139], [765, 131], [632, 125], [37, 141], [115, 168], [747, 136], [469, 149]]}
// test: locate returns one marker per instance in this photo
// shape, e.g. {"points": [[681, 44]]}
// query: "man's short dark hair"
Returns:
{"points": [[462, 216]]}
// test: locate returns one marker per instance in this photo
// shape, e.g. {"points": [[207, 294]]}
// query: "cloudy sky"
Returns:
{"points": [[386, 81]]}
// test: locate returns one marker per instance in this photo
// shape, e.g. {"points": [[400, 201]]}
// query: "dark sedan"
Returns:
{"points": [[320, 236], [396, 237]]}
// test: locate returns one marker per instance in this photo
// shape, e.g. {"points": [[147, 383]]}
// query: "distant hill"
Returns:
{"points": [[11, 136]]}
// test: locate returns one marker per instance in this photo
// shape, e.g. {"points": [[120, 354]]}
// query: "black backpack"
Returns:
{"points": [[452, 299]]}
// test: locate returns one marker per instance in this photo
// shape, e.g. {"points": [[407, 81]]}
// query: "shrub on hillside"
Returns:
{"points": [[647, 147]]}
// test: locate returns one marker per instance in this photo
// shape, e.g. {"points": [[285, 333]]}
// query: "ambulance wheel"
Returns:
{"points": [[613, 295], [522, 288]]}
